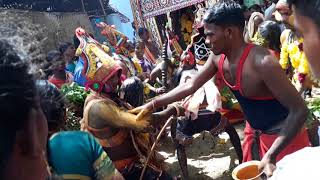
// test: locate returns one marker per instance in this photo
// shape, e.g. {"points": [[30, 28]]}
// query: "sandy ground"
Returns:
{"points": [[208, 157]]}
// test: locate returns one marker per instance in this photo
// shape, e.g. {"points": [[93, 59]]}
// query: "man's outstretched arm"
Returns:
{"points": [[185, 89]]}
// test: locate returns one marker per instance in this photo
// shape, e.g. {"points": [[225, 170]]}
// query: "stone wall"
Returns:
{"points": [[50, 28]]}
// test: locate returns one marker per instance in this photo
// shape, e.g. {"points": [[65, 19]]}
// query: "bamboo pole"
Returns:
{"points": [[154, 146]]}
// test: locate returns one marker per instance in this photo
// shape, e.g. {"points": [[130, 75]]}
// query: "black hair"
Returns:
{"points": [[138, 43], [53, 67], [52, 104], [244, 8], [17, 98], [52, 54], [310, 9], [255, 8], [76, 41], [141, 31], [133, 91], [64, 46], [271, 31], [225, 14]]}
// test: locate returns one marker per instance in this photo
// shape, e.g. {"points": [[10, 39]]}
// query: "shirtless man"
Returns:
{"points": [[273, 107], [308, 24]]}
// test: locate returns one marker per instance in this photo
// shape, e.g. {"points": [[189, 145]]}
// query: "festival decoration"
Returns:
{"points": [[293, 54], [153, 8], [115, 38], [186, 28], [98, 65]]}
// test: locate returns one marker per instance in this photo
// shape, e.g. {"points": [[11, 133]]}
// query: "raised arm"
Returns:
{"points": [[277, 82]]}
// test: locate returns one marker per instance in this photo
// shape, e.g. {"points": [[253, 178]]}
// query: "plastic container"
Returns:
{"points": [[247, 171]]}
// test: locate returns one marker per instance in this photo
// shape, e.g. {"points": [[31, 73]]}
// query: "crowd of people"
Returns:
{"points": [[266, 56]]}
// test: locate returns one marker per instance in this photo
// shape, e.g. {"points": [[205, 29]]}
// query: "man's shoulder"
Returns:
{"points": [[214, 58], [262, 57]]}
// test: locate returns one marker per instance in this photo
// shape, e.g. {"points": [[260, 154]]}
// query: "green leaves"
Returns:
{"points": [[75, 94], [314, 106], [314, 111]]}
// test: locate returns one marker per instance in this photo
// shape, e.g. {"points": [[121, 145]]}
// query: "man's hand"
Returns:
{"points": [[268, 165], [161, 90], [144, 124], [138, 110], [142, 111]]}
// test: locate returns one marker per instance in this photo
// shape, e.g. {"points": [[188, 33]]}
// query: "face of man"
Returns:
{"points": [[215, 37], [311, 45], [140, 50], [112, 83], [70, 51], [285, 14]]}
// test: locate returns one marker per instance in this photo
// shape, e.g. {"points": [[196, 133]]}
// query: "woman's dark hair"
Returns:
{"points": [[271, 31], [52, 104], [52, 54], [17, 98], [256, 8], [64, 46], [76, 41], [310, 9], [133, 91], [225, 14], [54, 67]]}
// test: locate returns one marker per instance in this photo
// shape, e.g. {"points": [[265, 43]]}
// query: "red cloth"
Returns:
{"points": [[57, 82], [299, 142]]}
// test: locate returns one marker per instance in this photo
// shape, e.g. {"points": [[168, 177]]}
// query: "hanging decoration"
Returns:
{"points": [[151, 8], [186, 28]]}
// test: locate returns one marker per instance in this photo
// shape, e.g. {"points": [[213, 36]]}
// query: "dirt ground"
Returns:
{"points": [[208, 157]]}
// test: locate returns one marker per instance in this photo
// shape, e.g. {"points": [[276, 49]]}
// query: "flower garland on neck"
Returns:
{"points": [[293, 53]]}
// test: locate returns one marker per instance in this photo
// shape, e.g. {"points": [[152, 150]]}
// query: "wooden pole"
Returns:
{"points": [[83, 7], [102, 7]]}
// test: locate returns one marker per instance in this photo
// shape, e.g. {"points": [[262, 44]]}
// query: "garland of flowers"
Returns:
{"points": [[293, 53]]}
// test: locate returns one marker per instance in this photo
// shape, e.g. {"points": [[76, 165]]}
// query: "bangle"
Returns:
{"points": [[177, 109]]}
